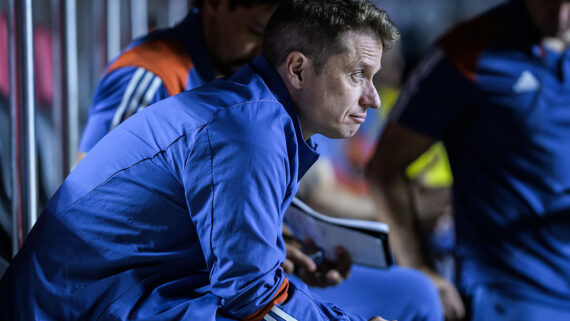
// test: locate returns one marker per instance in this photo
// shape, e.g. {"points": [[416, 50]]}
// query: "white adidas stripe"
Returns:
{"points": [[136, 98], [152, 89], [125, 100], [269, 318], [282, 314]]}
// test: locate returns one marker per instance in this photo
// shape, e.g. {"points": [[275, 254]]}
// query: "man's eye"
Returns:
{"points": [[358, 74]]}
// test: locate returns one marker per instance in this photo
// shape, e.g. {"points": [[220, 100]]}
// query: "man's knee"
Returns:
{"points": [[419, 292]]}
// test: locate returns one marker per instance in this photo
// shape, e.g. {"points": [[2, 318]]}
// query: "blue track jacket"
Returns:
{"points": [[176, 215]]}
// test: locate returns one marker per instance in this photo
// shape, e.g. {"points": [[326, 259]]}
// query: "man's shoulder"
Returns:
{"points": [[465, 43], [164, 55]]}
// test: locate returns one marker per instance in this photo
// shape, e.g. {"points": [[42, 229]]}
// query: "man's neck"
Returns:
{"points": [[209, 43]]}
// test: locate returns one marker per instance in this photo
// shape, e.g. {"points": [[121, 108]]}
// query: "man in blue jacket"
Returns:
{"points": [[496, 90], [177, 213]]}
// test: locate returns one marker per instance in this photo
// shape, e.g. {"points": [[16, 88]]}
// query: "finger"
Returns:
{"points": [[334, 277], [377, 318], [344, 262], [288, 266], [299, 258], [314, 279]]}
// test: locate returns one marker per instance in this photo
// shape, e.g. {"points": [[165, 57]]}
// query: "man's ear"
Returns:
{"points": [[296, 67]]}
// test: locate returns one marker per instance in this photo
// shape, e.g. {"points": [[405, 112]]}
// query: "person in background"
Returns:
{"points": [[215, 39], [495, 89]]}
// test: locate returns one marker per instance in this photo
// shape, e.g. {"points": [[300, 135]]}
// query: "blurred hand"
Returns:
{"points": [[296, 258], [325, 274], [453, 306], [377, 318]]}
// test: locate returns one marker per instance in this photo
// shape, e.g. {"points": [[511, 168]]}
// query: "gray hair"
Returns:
{"points": [[315, 28]]}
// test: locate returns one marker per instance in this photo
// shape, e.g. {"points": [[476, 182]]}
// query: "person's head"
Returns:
{"points": [[552, 17], [233, 30], [327, 52]]}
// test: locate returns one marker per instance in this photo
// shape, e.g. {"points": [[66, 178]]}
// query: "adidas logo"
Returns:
{"points": [[527, 82]]}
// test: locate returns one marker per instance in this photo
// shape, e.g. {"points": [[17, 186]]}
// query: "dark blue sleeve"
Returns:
{"points": [[434, 97], [236, 181], [119, 94]]}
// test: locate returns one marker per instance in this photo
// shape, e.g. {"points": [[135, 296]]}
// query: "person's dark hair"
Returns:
{"points": [[240, 3], [315, 28]]}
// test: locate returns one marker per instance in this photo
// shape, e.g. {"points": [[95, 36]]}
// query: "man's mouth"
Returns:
{"points": [[359, 118]]}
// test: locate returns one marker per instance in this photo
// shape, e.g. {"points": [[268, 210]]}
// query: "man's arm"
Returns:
{"points": [[397, 148], [236, 180]]}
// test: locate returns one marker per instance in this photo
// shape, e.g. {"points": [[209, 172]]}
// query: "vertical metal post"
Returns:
{"points": [[139, 18], [58, 91], [113, 28], [70, 84], [177, 9], [22, 102], [16, 197]]}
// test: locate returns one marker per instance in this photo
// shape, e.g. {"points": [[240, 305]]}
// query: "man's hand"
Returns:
{"points": [[326, 274], [296, 258], [453, 306], [377, 318]]}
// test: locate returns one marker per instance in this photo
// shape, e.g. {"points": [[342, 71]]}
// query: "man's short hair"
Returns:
{"points": [[315, 28], [240, 3]]}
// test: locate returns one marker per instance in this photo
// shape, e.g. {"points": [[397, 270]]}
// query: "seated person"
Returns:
{"points": [[177, 213]]}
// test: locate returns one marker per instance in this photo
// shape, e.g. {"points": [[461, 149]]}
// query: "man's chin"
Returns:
{"points": [[341, 134]]}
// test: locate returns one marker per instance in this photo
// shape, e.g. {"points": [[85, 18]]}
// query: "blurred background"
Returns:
{"points": [[52, 53]]}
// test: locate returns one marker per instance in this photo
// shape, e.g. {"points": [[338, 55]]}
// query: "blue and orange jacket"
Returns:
{"points": [[161, 64], [500, 101]]}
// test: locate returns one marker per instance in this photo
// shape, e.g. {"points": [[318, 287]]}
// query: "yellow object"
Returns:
{"points": [[432, 167]]}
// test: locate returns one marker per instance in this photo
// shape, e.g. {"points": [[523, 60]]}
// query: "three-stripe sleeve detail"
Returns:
{"points": [[140, 90]]}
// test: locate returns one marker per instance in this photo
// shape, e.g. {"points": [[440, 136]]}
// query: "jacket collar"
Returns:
{"points": [[307, 149]]}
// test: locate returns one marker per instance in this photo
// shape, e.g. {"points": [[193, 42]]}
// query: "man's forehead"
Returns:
{"points": [[362, 46], [362, 38]]}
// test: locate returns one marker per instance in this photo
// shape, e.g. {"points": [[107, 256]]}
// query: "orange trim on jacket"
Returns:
{"points": [[465, 43], [164, 57], [279, 297]]}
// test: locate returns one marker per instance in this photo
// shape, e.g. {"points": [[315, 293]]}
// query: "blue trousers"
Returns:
{"points": [[495, 303], [395, 294]]}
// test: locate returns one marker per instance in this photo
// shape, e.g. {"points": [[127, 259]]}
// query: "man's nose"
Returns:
{"points": [[370, 97]]}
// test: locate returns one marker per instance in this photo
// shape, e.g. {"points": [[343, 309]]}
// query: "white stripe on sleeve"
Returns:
{"points": [[268, 318], [126, 97], [282, 314], [135, 100], [152, 89]]}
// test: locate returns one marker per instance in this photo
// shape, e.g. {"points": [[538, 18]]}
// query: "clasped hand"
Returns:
{"points": [[325, 274]]}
